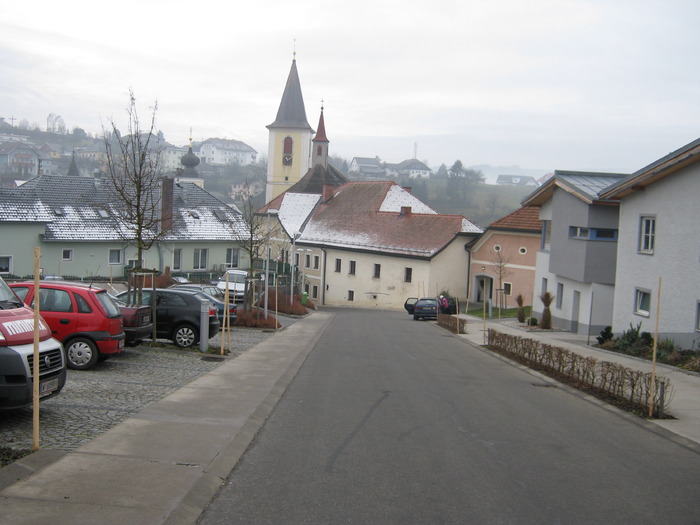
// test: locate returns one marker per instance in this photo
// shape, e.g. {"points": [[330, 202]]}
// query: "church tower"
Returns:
{"points": [[319, 146], [290, 140]]}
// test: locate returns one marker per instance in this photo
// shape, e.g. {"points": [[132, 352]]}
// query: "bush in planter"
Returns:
{"points": [[547, 299], [605, 335], [521, 311]]}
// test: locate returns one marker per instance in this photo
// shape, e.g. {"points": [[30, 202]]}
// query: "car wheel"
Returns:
{"points": [[185, 336], [415, 318], [81, 354]]}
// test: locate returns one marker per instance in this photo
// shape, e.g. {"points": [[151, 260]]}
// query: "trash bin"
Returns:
{"points": [[304, 296]]}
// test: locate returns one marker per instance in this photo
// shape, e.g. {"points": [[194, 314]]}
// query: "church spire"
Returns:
{"points": [[319, 154], [292, 113]]}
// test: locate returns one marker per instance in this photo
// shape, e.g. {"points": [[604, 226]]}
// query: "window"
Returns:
{"points": [[316, 261], [642, 302], [377, 271], [288, 145], [522, 250], [177, 259], [83, 306], [496, 247], [593, 234], [351, 271], [296, 259], [408, 275], [351, 295], [544, 286], [115, 256], [546, 235], [560, 294], [67, 255], [232, 257], [200, 258], [314, 292], [307, 261], [507, 288], [338, 265], [133, 263], [5, 263], [646, 234], [55, 300]]}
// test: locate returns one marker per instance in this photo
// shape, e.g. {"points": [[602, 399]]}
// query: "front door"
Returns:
{"points": [[575, 312]]}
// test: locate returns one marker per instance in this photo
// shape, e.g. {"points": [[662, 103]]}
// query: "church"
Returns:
{"points": [[367, 244]]}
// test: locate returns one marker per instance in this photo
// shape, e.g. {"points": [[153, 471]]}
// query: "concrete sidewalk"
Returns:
{"points": [[685, 403], [166, 463]]}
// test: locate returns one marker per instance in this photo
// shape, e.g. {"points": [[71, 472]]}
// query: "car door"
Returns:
{"points": [[59, 311], [408, 305]]}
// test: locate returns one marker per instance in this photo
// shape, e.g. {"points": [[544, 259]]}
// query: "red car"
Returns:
{"points": [[85, 319], [137, 321]]}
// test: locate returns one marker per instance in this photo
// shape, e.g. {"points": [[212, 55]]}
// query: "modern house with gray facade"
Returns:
{"points": [[577, 258]]}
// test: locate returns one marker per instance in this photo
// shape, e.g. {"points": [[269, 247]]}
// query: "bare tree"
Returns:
{"points": [[258, 234], [500, 263], [134, 177]]}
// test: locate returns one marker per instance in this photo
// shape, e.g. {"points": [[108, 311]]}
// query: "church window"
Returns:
{"points": [[288, 143]]}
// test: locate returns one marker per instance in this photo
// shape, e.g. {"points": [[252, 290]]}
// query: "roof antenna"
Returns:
{"points": [[93, 277]]}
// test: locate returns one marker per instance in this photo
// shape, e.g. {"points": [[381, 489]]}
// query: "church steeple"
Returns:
{"points": [[289, 145], [319, 154]]}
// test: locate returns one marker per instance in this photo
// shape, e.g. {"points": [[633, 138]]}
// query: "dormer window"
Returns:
{"points": [[103, 213]]}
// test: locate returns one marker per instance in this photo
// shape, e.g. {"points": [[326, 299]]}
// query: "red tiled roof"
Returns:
{"points": [[352, 219], [525, 218]]}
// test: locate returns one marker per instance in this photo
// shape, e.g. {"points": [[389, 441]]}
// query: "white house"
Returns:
{"points": [[658, 249]]}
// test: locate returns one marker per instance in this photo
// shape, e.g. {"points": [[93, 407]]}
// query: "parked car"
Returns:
{"points": [[424, 308], [82, 317], [215, 296], [236, 284], [137, 321], [177, 314], [17, 355]]}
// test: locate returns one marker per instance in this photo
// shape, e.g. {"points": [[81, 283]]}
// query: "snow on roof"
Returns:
{"points": [[295, 209], [397, 197]]}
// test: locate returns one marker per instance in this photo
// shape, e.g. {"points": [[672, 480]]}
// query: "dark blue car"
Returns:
{"points": [[425, 308]]}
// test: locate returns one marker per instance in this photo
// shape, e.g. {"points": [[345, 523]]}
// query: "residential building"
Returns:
{"points": [[504, 257], [577, 257], [516, 180], [79, 228], [657, 249], [19, 158], [412, 168], [225, 152], [367, 168]]}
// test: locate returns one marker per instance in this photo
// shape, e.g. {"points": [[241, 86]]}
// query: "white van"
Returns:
{"points": [[236, 284]]}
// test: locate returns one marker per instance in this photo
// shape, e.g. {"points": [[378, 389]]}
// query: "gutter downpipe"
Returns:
{"points": [[323, 277]]}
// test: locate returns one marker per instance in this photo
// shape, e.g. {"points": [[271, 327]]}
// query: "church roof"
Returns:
{"points": [[321, 133], [291, 113]]}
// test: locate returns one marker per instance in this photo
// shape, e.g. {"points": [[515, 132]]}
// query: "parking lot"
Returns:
{"points": [[95, 400]]}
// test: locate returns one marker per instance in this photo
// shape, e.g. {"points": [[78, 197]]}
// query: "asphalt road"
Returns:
{"points": [[396, 421]]}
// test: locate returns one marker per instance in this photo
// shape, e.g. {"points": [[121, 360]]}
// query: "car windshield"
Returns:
{"points": [[8, 299], [427, 302]]}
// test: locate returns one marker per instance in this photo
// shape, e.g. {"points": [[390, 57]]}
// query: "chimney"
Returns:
{"points": [[408, 189], [327, 192], [406, 210], [166, 204]]}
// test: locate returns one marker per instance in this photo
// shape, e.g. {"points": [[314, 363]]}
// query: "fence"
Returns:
{"points": [[629, 386]]}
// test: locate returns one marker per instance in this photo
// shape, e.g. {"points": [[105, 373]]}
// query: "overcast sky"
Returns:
{"points": [[607, 85]]}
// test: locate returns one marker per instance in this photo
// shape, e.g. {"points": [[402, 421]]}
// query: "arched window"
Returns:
{"points": [[288, 143], [319, 151]]}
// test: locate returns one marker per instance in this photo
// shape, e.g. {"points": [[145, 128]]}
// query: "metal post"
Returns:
{"points": [[203, 325]]}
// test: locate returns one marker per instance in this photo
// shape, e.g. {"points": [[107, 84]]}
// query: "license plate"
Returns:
{"points": [[121, 343], [46, 387]]}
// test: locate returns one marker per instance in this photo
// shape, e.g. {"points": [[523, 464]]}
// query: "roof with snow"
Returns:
{"points": [[80, 209], [382, 217]]}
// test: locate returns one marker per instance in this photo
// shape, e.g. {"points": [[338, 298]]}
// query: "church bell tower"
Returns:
{"points": [[289, 146]]}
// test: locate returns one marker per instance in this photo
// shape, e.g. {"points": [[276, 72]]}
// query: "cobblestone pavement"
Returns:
{"points": [[95, 400]]}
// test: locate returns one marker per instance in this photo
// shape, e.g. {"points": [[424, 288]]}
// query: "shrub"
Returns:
{"points": [[533, 321], [257, 319], [605, 336], [547, 299], [521, 312]]}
